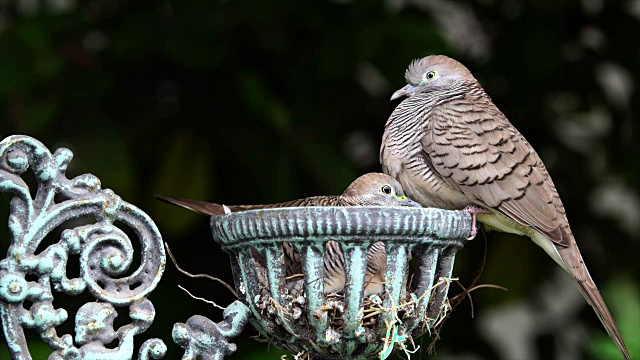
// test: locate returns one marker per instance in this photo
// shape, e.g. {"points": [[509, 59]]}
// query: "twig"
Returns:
{"points": [[492, 286], [202, 299], [456, 300], [206, 276], [312, 281], [294, 276], [468, 294], [281, 311]]}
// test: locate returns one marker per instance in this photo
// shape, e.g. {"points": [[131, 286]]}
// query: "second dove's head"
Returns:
{"points": [[379, 189], [434, 73]]}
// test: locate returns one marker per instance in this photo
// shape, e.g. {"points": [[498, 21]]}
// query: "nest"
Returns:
{"points": [[291, 314]]}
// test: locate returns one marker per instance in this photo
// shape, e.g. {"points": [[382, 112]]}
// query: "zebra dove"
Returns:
{"points": [[451, 147], [373, 189]]}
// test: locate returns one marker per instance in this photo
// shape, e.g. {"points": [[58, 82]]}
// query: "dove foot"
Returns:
{"points": [[474, 211]]}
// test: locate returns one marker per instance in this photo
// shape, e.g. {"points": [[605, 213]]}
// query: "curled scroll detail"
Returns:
{"points": [[105, 253]]}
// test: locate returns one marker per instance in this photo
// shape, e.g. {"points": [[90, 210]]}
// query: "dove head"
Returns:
{"points": [[379, 189], [435, 72]]}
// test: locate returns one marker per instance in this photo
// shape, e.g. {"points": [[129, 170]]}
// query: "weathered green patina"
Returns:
{"points": [[105, 254], [433, 235]]}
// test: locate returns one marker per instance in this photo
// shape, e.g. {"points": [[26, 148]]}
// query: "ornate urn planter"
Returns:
{"points": [[345, 325]]}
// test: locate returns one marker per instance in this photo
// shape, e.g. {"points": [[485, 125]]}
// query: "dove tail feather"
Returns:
{"points": [[574, 264], [213, 209], [201, 207]]}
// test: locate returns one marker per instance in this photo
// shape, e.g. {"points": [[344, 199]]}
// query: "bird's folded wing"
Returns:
{"points": [[485, 157]]}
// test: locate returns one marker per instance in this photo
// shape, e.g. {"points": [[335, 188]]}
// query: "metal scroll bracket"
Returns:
{"points": [[104, 250], [203, 338]]}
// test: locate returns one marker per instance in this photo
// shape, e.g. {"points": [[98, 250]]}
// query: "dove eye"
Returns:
{"points": [[429, 75], [386, 189]]}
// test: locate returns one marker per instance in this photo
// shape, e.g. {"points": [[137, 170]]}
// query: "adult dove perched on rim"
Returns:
{"points": [[373, 189], [450, 147]]}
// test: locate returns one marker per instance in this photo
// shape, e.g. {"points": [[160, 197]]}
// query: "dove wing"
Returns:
{"points": [[475, 149]]}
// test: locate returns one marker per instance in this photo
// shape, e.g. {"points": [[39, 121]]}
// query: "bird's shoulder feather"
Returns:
{"points": [[474, 148]]}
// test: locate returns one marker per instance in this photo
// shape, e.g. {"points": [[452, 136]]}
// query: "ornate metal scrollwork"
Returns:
{"points": [[202, 338], [105, 253]]}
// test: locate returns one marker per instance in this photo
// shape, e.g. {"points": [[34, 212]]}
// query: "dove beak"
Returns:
{"points": [[405, 201], [405, 91]]}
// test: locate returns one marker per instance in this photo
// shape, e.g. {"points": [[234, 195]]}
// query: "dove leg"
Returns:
{"points": [[474, 211]]}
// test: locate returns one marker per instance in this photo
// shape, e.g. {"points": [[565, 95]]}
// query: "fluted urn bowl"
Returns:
{"points": [[420, 245]]}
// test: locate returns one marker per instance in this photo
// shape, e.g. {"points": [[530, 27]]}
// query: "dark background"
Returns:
{"points": [[257, 102]]}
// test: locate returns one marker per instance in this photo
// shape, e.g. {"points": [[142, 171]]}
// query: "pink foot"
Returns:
{"points": [[474, 210]]}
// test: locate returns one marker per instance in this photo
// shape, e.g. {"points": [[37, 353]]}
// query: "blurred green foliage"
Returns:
{"points": [[256, 102]]}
